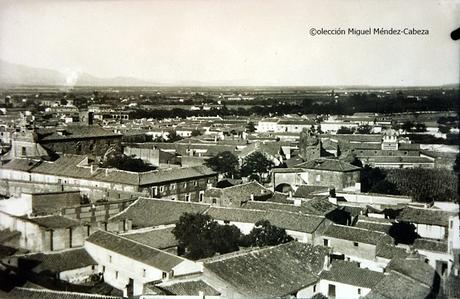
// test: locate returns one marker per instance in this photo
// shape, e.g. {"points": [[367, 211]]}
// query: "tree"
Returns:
{"points": [[408, 126], [128, 163], [403, 232], [366, 129], [225, 238], [224, 162], [196, 133], [266, 234], [193, 232], [173, 137], [250, 127], [444, 129], [255, 165], [345, 130], [203, 237], [420, 127]]}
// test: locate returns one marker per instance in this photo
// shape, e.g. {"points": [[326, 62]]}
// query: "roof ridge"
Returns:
{"points": [[142, 244]]}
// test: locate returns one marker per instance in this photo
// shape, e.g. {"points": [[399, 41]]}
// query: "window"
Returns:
{"points": [[355, 244], [185, 185], [201, 196], [359, 291], [164, 275], [326, 242], [318, 178], [187, 197], [103, 269], [226, 222], [195, 183], [451, 224], [144, 272], [162, 188], [116, 274], [110, 258], [214, 200], [173, 187], [23, 151], [314, 288]]}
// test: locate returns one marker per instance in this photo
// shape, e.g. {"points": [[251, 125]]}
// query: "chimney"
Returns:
{"points": [[332, 196], [252, 196], [90, 118], [327, 262]]}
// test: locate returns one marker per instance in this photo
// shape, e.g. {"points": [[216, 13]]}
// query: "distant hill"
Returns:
{"points": [[15, 74]]}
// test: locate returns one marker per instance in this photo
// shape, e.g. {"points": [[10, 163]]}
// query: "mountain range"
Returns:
{"points": [[12, 74]]}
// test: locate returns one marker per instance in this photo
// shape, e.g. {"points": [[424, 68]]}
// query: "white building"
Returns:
{"points": [[128, 265]]}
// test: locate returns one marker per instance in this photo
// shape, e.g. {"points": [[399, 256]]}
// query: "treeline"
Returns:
{"points": [[359, 102], [423, 185]]}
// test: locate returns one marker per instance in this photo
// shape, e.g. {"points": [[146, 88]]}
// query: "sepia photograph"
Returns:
{"points": [[229, 149]]}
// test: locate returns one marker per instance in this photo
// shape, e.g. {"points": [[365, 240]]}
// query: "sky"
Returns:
{"points": [[251, 42]]}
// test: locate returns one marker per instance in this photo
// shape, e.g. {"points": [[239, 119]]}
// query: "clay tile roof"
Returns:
{"points": [[57, 262], [236, 214], [285, 269], [414, 268], [136, 251], [284, 219], [350, 273], [20, 164], [425, 216], [397, 286], [242, 192], [329, 165], [75, 131], [188, 288], [304, 191], [430, 245], [353, 234], [67, 166], [21, 293], [53, 221], [160, 238], [146, 212], [389, 251]]}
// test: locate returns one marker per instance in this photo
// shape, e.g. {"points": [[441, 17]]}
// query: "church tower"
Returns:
{"points": [[310, 145]]}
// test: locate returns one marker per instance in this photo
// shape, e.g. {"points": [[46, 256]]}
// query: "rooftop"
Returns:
{"points": [[57, 262], [142, 253], [21, 293], [425, 216], [430, 245], [74, 131], [353, 234], [145, 212], [160, 238], [53, 221], [350, 273], [329, 165], [285, 269], [397, 286], [414, 268], [187, 288]]}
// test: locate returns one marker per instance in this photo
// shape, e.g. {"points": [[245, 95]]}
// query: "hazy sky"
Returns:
{"points": [[237, 42]]}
